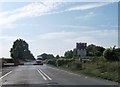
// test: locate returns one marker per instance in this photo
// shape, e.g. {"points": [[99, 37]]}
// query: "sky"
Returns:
{"points": [[55, 27]]}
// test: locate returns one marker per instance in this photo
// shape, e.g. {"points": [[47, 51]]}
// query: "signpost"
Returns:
{"points": [[81, 51]]}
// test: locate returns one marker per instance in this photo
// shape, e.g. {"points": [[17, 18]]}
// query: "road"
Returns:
{"points": [[7, 69], [46, 76]]}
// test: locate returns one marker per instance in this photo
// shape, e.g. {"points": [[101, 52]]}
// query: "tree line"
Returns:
{"points": [[110, 54], [20, 51]]}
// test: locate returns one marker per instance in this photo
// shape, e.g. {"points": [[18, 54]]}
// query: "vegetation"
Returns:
{"points": [[93, 50], [46, 56], [102, 63], [20, 51], [112, 54]]}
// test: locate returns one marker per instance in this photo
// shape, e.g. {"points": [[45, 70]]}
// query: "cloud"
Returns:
{"points": [[99, 37], [106, 33], [87, 17], [64, 40], [9, 38], [5, 38], [57, 40], [39, 9], [87, 6], [93, 36], [56, 35], [31, 10]]}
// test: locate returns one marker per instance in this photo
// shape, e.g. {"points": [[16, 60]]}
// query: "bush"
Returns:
{"points": [[109, 67], [110, 55], [101, 59], [51, 62], [61, 62], [76, 65], [69, 63]]}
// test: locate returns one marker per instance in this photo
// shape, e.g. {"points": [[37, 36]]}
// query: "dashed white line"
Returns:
{"points": [[5, 75], [45, 75], [42, 75]]}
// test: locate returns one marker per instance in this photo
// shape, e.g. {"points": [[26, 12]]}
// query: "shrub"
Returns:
{"points": [[76, 65], [61, 62], [110, 55], [108, 66], [52, 62]]}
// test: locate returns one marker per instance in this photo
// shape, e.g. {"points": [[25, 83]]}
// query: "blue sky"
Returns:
{"points": [[54, 27]]}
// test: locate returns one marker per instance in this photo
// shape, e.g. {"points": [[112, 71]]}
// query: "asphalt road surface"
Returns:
{"points": [[46, 76], [5, 70]]}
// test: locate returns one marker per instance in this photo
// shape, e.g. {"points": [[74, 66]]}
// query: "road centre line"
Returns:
{"points": [[5, 75], [42, 75], [45, 74]]}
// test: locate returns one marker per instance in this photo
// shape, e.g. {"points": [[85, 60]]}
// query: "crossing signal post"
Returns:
{"points": [[81, 51]]}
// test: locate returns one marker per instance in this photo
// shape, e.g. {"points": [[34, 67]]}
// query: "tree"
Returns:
{"points": [[57, 56], [93, 50], [47, 56], [68, 54], [20, 51], [117, 52], [99, 51], [75, 53], [111, 54]]}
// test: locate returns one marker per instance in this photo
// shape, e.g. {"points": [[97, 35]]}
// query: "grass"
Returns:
{"points": [[108, 70], [90, 69], [104, 70]]}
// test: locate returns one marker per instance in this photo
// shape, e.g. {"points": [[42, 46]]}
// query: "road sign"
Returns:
{"points": [[81, 49], [82, 53], [81, 45]]}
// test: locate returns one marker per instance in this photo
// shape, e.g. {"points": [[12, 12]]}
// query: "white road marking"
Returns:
{"points": [[45, 74], [5, 74], [42, 75]]}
